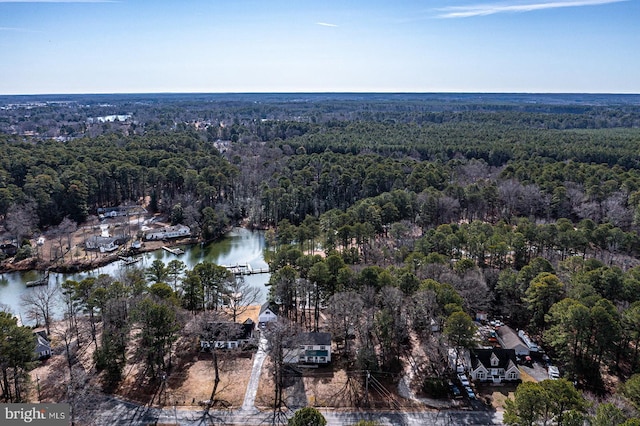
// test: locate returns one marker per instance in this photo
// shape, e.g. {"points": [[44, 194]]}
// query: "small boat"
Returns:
{"points": [[130, 260], [42, 281]]}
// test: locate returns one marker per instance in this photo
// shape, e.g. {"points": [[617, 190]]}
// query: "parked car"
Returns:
{"points": [[554, 373], [470, 392], [455, 391], [463, 379]]}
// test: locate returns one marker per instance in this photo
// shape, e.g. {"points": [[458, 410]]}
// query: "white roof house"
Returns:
{"points": [[104, 244], [177, 231]]}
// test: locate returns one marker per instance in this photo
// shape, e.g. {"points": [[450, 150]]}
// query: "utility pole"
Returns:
{"points": [[38, 386], [366, 388]]}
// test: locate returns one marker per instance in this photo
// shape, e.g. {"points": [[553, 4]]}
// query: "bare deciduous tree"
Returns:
{"points": [[39, 303], [240, 295], [345, 311], [211, 326], [281, 336], [422, 307], [510, 192], [62, 231], [472, 287], [21, 220], [472, 171]]}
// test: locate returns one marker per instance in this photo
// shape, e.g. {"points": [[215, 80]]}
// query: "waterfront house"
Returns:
{"points": [[103, 244], [168, 232]]}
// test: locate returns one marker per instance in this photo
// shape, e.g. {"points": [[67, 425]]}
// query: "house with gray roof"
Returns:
{"points": [[267, 314], [43, 347], [508, 339], [310, 348], [494, 365]]}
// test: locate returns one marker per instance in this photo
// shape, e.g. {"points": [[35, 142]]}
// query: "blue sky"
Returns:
{"points": [[140, 46]]}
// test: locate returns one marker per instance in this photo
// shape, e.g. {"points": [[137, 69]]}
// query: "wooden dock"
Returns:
{"points": [[42, 281], [177, 250], [246, 269]]}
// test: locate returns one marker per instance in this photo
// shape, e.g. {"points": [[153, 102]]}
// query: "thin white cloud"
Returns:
{"points": [[325, 24], [492, 9], [59, 1], [21, 30]]}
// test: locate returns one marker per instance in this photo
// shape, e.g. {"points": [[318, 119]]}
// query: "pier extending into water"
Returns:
{"points": [[42, 281], [239, 247], [176, 250], [246, 269]]}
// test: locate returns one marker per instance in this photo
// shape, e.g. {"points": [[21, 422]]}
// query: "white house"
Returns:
{"points": [[168, 232], [43, 347], [267, 315], [227, 335], [314, 348], [104, 244], [494, 365]]}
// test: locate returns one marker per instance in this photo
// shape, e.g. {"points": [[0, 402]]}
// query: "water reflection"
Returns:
{"points": [[240, 246]]}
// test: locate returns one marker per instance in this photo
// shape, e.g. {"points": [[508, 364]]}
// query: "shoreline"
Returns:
{"points": [[88, 263], [87, 260]]}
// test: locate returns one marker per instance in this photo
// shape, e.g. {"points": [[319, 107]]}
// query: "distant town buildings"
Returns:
{"points": [[109, 118]]}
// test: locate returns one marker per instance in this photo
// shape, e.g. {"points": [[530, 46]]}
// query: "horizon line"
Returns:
{"points": [[402, 92]]}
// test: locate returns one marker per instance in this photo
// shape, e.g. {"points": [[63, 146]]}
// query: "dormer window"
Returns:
{"points": [[494, 360]]}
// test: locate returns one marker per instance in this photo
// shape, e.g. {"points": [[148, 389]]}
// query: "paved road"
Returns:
{"points": [[114, 412]]}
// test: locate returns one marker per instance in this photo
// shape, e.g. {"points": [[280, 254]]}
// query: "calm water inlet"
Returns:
{"points": [[240, 246]]}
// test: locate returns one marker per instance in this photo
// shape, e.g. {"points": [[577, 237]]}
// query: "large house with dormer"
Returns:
{"points": [[309, 348], [227, 335], [494, 365]]}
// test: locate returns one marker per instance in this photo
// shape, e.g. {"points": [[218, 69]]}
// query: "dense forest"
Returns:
{"points": [[387, 211]]}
